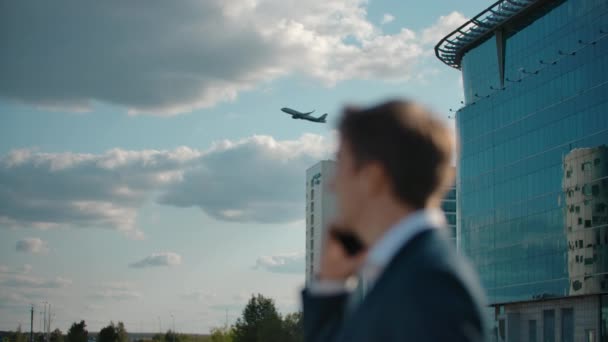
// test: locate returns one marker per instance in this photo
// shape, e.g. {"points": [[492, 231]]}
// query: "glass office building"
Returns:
{"points": [[532, 182], [448, 205]]}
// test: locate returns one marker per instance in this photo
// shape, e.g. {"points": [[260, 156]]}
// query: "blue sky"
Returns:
{"points": [[145, 167]]}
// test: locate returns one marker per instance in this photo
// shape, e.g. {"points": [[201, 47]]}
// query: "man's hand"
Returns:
{"points": [[336, 264]]}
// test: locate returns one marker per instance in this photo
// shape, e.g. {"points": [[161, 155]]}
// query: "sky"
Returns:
{"points": [[147, 174]]}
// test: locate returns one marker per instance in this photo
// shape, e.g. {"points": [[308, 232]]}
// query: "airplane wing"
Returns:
{"points": [[320, 119], [309, 112]]}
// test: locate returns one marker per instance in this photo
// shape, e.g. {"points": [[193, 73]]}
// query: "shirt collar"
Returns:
{"points": [[401, 233]]}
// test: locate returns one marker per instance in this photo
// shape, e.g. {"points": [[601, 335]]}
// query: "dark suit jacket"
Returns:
{"points": [[426, 293]]}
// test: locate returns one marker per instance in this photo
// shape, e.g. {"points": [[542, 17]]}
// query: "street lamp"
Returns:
{"points": [[173, 317]]}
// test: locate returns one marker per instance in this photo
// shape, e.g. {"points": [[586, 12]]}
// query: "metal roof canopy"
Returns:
{"points": [[452, 47]]}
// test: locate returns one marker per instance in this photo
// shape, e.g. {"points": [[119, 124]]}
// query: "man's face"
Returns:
{"points": [[349, 187]]}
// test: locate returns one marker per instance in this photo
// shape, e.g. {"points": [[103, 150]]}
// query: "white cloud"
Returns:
{"points": [[158, 260], [32, 245], [284, 263], [387, 18], [118, 285], [173, 59], [251, 180], [118, 291], [199, 295], [50, 190], [443, 26], [118, 295], [27, 268], [26, 281]]}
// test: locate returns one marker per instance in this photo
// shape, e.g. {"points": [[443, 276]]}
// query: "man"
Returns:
{"points": [[393, 166]]}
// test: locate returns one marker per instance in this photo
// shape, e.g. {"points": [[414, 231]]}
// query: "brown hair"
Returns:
{"points": [[413, 147]]}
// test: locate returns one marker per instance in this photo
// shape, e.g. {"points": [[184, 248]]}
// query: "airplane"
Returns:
{"points": [[304, 116]]}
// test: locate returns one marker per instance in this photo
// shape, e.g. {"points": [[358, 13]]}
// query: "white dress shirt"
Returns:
{"points": [[383, 251]]}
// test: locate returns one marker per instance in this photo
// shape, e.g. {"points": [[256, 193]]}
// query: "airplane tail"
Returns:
{"points": [[322, 117]]}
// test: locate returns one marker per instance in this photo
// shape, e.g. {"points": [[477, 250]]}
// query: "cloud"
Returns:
{"points": [[50, 190], [168, 58], [32, 245], [199, 295], [32, 282], [12, 300], [387, 18], [286, 263], [442, 27], [257, 179], [118, 295], [27, 268], [118, 291], [158, 260]]}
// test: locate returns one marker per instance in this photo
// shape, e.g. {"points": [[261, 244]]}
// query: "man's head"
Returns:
{"points": [[394, 154]]}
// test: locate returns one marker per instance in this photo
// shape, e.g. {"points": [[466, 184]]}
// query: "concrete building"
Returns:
{"points": [[320, 209], [532, 180]]}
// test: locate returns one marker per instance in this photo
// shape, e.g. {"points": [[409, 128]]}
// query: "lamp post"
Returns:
{"points": [[173, 317]]}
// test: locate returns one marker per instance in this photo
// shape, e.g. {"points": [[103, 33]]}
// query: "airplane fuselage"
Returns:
{"points": [[303, 116]]}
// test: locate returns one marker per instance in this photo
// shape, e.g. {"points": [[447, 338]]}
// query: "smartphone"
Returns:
{"points": [[349, 241]]}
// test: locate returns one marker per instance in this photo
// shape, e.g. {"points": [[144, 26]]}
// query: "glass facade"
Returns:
{"points": [[448, 205], [533, 172]]}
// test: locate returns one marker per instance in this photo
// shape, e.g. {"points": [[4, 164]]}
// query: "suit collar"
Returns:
{"points": [[385, 250]]}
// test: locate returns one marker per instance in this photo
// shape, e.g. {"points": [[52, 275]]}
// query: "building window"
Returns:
{"points": [[586, 190], [604, 318], [596, 190], [587, 223], [532, 330], [312, 244], [600, 207], [597, 161], [548, 326], [586, 166], [312, 206], [568, 173], [312, 193], [578, 209], [580, 221], [312, 218], [567, 325]]}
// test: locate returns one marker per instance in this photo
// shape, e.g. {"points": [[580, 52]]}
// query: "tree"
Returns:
{"points": [[260, 321], [293, 327], [56, 336], [108, 334], [123, 335], [224, 334], [38, 337], [78, 332], [171, 336], [18, 336], [113, 333]]}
